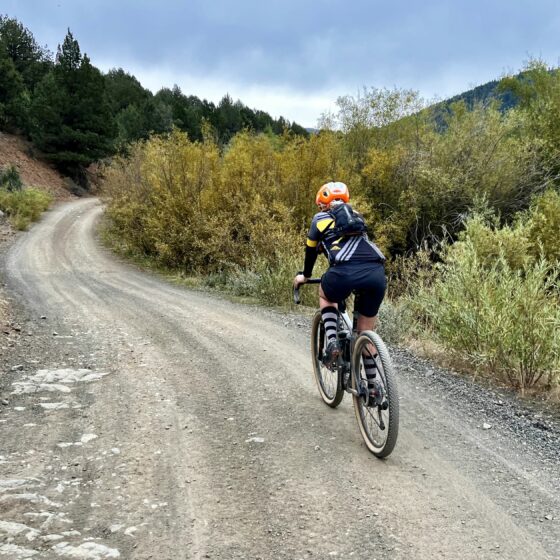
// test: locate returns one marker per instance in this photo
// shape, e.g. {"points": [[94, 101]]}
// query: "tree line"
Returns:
{"points": [[76, 115]]}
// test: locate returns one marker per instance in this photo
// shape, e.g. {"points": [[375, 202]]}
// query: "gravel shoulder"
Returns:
{"points": [[143, 420]]}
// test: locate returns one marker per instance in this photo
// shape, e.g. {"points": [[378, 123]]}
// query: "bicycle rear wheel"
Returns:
{"points": [[328, 382], [379, 424]]}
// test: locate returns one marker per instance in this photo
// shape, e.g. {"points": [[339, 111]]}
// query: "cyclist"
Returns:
{"points": [[355, 263]]}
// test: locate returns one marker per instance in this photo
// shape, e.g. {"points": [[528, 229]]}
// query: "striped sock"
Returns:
{"points": [[369, 365], [330, 319]]}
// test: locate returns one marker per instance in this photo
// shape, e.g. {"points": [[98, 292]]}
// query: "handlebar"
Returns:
{"points": [[297, 299]]}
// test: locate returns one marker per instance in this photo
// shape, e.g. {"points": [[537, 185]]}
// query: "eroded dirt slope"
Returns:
{"points": [[34, 172]]}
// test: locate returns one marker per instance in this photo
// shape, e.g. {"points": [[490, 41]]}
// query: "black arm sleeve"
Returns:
{"points": [[310, 258]]}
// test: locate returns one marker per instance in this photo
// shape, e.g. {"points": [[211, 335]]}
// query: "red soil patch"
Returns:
{"points": [[34, 173]]}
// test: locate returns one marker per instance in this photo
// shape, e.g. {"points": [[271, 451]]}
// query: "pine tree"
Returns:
{"points": [[124, 90], [30, 60], [73, 122], [13, 98]]}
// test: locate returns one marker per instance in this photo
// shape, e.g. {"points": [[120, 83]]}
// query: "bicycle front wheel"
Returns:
{"points": [[378, 423], [329, 382]]}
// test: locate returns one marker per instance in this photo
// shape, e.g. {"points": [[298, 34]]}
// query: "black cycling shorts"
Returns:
{"points": [[368, 279]]}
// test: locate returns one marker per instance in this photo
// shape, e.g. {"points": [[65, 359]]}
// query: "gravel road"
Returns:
{"points": [[141, 420]]}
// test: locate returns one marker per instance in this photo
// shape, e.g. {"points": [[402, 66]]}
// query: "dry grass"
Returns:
{"points": [[436, 353], [430, 350]]}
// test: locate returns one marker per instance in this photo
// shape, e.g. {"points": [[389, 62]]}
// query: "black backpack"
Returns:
{"points": [[347, 221]]}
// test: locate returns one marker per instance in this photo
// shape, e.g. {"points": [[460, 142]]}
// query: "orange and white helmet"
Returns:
{"points": [[330, 192]]}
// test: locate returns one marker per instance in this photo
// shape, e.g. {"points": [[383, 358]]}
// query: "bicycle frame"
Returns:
{"points": [[350, 324], [352, 327]]}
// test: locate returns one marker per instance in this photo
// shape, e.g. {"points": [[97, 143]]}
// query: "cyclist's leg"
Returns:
{"points": [[334, 288], [329, 314], [368, 300], [324, 301], [367, 323], [370, 352], [370, 286]]}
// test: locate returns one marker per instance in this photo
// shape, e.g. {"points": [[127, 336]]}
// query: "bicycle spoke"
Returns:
{"points": [[368, 414], [379, 426], [327, 380], [370, 410]]}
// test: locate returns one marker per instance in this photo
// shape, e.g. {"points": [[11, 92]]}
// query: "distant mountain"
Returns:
{"points": [[488, 92], [485, 94]]}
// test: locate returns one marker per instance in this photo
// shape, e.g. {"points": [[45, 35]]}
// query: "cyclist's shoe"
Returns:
{"points": [[376, 392], [332, 352]]}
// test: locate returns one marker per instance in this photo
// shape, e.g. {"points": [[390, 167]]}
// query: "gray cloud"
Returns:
{"points": [[307, 45]]}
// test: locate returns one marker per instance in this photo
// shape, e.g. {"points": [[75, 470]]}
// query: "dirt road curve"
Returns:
{"points": [[172, 425]]}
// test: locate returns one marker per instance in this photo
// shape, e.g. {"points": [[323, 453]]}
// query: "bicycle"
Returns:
{"points": [[377, 414]]}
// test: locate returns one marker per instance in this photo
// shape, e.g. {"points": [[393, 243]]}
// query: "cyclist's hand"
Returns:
{"points": [[299, 279]]}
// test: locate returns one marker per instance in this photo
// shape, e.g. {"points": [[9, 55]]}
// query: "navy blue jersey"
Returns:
{"points": [[354, 248]]}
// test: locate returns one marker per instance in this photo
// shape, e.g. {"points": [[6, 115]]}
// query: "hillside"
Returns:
{"points": [[484, 94], [34, 172]]}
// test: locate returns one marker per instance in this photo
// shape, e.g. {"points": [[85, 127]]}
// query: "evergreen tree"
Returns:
{"points": [[14, 100], [123, 90], [133, 108], [73, 122], [187, 112], [228, 119], [30, 60], [159, 116], [298, 129], [131, 126]]}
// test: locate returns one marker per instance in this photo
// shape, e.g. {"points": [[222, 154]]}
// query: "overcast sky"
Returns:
{"points": [[294, 57]]}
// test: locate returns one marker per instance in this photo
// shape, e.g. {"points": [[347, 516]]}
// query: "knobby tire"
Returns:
{"points": [[328, 382], [380, 447]]}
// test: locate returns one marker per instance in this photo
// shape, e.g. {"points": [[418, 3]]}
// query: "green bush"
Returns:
{"points": [[543, 226], [269, 282], [502, 319], [274, 286], [10, 179], [24, 207], [533, 235], [491, 242], [406, 272], [243, 282], [395, 321]]}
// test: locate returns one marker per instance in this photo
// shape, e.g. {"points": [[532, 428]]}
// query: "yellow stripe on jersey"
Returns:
{"points": [[311, 243], [322, 225]]}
